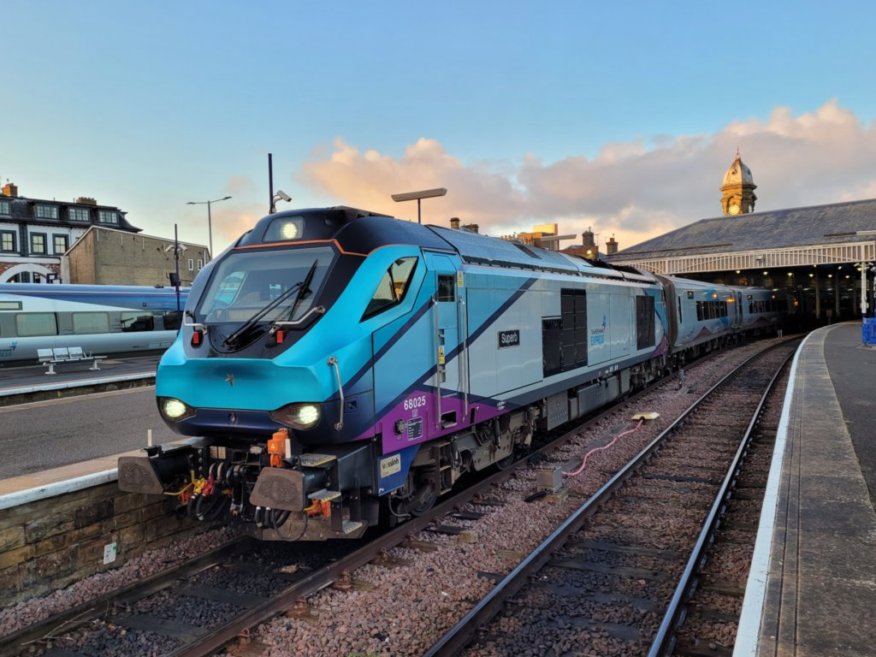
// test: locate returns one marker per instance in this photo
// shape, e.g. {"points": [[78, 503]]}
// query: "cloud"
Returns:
{"points": [[634, 190], [240, 185]]}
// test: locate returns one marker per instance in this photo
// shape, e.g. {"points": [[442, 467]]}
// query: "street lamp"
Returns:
{"points": [[209, 217], [426, 193]]}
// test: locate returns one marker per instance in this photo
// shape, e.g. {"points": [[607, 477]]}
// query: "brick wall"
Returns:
{"points": [[111, 257], [54, 542]]}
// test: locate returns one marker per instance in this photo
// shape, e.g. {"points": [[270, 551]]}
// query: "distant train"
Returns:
{"points": [[345, 368], [102, 319]]}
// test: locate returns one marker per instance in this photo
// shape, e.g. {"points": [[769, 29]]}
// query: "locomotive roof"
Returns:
{"points": [[361, 231], [482, 249]]}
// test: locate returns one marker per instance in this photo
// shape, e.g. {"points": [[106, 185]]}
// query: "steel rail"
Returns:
{"points": [[461, 634], [16, 642], [663, 642], [212, 640]]}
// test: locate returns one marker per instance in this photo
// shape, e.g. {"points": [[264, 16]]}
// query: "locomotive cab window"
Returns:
{"points": [[283, 284], [446, 288], [392, 287]]}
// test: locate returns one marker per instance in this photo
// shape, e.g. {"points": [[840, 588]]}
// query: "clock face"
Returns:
{"points": [[734, 208]]}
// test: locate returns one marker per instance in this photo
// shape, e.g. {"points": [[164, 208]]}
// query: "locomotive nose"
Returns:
{"points": [[239, 383]]}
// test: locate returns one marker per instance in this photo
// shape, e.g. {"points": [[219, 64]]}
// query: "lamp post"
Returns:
{"points": [[209, 217], [426, 193], [864, 268]]}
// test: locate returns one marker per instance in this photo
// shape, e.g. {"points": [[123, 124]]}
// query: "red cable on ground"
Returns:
{"points": [[583, 465]]}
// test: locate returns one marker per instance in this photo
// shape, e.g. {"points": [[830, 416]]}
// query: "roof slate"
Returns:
{"points": [[820, 224]]}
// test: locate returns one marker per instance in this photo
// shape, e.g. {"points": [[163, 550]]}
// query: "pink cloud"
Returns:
{"points": [[630, 189]]}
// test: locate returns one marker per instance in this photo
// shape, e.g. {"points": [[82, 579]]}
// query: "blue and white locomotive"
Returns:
{"points": [[343, 367]]}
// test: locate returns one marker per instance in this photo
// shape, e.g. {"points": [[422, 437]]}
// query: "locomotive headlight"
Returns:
{"points": [[298, 416], [174, 410]]}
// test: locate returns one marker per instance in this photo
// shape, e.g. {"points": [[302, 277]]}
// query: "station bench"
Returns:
{"points": [[59, 355]]}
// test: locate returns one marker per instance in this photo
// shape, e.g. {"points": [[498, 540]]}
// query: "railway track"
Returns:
{"points": [[201, 606], [614, 578], [711, 618]]}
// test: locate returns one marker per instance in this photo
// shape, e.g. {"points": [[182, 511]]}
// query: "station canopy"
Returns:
{"points": [[825, 234]]}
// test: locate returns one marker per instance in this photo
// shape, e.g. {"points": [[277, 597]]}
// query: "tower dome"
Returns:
{"points": [[738, 188], [738, 173]]}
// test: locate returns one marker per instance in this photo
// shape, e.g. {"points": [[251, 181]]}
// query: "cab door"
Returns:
{"points": [[449, 348]]}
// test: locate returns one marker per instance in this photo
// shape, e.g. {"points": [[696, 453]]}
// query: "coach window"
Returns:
{"points": [[172, 320], [33, 324], [137, 321], [7, 241], [90, 323], [393, 286]]}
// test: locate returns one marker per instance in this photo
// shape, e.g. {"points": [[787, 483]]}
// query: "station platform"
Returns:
{"points": [[31, 380], [812, 586]]}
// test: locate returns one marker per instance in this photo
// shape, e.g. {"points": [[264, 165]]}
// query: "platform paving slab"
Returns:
{"points": [[820, 595]]}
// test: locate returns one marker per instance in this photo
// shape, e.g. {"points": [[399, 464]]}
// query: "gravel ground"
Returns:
{"points": [[404, 608], [149, 563]]}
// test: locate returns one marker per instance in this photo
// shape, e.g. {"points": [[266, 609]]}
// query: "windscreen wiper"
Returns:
{"points": [[232, 339], [304, 290]]}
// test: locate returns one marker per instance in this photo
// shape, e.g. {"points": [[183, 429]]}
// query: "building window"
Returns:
{"points": [[7, 241], [38, 243], [79, 214], [107, 217], [191, 264], [200, 264], [60, 244], [46, 211], [5, 208]]}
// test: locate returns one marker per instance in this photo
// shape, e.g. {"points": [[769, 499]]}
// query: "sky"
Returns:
{"points": [[620, 117]]}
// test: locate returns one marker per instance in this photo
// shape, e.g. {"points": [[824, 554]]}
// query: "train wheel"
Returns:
{"points": [[424, 498]]}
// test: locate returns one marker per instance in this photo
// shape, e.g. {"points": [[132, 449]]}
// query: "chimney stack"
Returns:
{"points": [[588, 239], [10, 189], [472, 228], [611, 246], [454, 223]]}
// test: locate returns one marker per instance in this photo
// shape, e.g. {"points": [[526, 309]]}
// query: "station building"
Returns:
{"points": [[820, 259], [51, 241]]}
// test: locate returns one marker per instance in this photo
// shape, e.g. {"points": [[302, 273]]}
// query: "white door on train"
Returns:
{"points": [[449, 350]]}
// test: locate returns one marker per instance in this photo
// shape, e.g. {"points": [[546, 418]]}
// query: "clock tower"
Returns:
{"points": [[738, 189]]}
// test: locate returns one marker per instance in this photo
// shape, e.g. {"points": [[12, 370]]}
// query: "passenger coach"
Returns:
{"points": [[102, 319]]}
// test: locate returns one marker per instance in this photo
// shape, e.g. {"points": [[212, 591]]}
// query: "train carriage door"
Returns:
{"points": [[448, 350], [738, 311]]}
